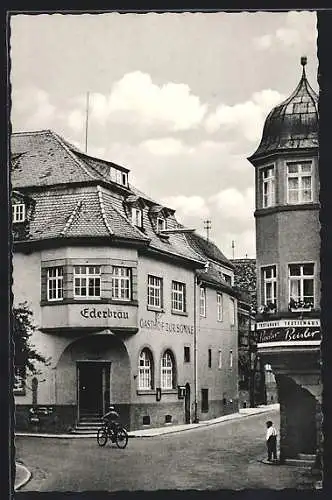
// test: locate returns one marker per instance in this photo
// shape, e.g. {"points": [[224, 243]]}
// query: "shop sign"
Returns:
{"points": [[164, 326], [291, 334], [265, 325], [93, 313]]}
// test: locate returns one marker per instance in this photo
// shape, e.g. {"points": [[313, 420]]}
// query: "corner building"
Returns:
{"points": [[288, 265], [114, 283]]}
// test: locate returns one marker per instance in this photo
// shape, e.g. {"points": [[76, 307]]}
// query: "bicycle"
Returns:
{"points": [[118, 434]]}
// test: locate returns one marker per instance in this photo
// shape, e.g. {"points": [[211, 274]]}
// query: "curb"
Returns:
{"points": [[159, 431], [24, 473]]}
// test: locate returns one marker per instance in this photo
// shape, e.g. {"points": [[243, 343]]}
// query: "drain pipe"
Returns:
{"points": [[195, 420]]}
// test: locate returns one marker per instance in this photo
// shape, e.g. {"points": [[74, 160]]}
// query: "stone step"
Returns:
{"points": [[88, 432], [298, 462], [306, 456]]}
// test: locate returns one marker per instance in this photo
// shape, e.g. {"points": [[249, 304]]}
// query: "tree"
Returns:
{"points": [[25, 354]]}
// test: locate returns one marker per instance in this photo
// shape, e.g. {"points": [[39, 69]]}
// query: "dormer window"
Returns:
{"points": [[137, 216], [118, 176], [18, 212], [161, 224], [124, 179]]}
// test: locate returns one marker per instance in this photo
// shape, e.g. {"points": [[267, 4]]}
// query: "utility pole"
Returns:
{"points": [[233, 247], [207, 227], [86, 122]]}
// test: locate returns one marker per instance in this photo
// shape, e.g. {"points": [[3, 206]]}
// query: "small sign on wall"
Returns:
{"points": [[158, 394], [181, 391]]}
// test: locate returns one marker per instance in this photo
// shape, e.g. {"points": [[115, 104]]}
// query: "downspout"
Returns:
{"points": [[195, 420]]}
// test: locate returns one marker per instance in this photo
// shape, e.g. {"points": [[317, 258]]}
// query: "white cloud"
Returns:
{"points": [[247, 117], [35, 104], [166, 146], [234, 204], [187, 205], [299, 30]]}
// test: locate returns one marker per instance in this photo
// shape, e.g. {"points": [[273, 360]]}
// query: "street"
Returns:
{"points": [[221, 456]]}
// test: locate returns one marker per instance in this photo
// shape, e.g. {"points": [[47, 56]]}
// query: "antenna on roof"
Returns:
{"points": [[207, 227], [233, 247], [303, 63], [86, 122]]}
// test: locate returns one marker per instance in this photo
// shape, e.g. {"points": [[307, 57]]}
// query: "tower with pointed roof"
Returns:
{"points": [[288, 265]]}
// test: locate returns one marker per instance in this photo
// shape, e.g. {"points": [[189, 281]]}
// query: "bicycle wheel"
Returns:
{"points": [[121, 438], [102, 436]]}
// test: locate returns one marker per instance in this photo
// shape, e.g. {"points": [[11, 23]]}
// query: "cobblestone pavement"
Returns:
{"points": [[223, 456]]}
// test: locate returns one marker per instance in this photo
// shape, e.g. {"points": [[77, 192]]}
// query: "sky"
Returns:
{"points": [[179, 99]]}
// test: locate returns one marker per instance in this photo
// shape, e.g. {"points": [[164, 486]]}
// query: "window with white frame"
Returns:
{"points": [[269, 274], [167, 371], [202, 301], [155, 291], [220, 358], [145, 370], [161, 224], [232, 312], [19, 380], [18, 212], [299, 182], [301, 284], [87, 282], [55, 283], [268, 189], [178, 297], [121, 283], [137, 216], [219, 307]]}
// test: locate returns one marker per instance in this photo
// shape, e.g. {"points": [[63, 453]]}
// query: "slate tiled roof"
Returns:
{"points": [[213, 277], [208, 249]]}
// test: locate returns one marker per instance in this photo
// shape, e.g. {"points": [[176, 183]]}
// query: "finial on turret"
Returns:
{"points": [[303, 60]]}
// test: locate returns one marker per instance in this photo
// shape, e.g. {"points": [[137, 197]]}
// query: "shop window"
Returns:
{"points": [[301, 285], [18, 212], [186, 354], [168, 371], [268, 186], [299, 182], [121, 283], [168, 419], [155, 292], [202, 301], [219, 307], [55, 283], [146, 420], [205, 401], [145, 370], [178, 297], [87, 282]]}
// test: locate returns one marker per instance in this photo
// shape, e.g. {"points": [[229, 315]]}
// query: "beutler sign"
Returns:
{"points": [[289, 334]]}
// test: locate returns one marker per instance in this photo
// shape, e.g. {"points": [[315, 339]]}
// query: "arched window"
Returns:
{"points": [[167, 371], [145, 370]]}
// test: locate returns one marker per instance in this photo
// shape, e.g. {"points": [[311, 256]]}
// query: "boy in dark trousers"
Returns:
{"points": [[271, 441]]}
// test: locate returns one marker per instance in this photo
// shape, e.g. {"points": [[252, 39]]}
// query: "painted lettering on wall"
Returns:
{"points": [[165, 326], [289, 334], [92, 312]]}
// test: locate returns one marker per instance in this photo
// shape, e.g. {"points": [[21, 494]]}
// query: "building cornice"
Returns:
{"points": [[286, 208]]}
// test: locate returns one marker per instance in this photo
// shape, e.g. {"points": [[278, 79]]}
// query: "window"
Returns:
{"points": [[55, 283], [219, 306], [155, 289], [301, 285], [202, 301], [231, 359], [267, 181], [145, 372], [228, 279], [269, 285], [209, 358], [18, 212], [161, 224], [19, 380], [87, 281], [178, 297], [220, 359], [232, 312], [124, 178], [167, 371], [137, 216], [205, 400], [121, 283], [186, 354], [299, 182]]}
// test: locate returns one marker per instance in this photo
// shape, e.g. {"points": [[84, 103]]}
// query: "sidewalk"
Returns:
{"points": [[167, 429]]}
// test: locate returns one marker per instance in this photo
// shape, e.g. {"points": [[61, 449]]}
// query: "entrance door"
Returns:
{"points": [[90, 376], [187, 404]]}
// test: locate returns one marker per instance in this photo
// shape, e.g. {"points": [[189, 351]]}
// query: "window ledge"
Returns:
{"points": [[169, 391], [155, 309], [179, 313], [143, 392], [88, 301]]}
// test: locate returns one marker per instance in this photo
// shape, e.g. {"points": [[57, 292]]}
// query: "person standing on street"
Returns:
{"points": [[271, 441]]}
